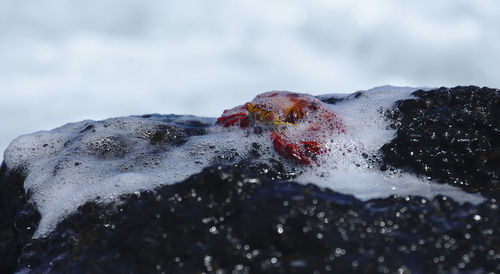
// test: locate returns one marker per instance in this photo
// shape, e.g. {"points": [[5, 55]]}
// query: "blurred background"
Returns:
{"points": [[63, 61]]}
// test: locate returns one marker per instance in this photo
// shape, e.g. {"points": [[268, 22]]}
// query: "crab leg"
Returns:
{"points": [[230, 120], [232, 116], [286, 149], [311, 146]]}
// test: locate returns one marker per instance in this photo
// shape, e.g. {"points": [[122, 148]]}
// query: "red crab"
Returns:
{"points": [[300, 124]]}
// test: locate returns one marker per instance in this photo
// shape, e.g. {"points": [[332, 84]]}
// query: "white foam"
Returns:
{"points": [[64, 169], [346, 170], [63, 172]]}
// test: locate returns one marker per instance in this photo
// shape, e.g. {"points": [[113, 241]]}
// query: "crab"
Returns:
{"points": [[299, 123]]}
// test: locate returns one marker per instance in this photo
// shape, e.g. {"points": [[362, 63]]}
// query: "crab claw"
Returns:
{"points": [[230, 120], [291, 150], [232, 116]]}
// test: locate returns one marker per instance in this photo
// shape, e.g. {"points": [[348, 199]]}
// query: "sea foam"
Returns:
{"points": [[101, 160]]}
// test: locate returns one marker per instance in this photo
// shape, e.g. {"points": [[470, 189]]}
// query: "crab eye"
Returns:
{"points": [[290, 118]]}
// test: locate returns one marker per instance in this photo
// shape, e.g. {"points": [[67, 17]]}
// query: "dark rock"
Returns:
{"points": [[108, 147], [451, 135], [339, 98], [168, 134], [13, 235], [225, 219], [268, 168], [186, 123]]}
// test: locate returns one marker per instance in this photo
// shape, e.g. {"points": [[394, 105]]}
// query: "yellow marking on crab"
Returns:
{"points": [[267, 116]]}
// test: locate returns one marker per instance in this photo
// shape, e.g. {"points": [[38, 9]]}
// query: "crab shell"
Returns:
{"points": [[299, 123]]}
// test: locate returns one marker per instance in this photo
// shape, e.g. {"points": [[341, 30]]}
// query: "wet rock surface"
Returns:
{"points": [[225, 219], [449, 134], [248, 216], [12, 202]]}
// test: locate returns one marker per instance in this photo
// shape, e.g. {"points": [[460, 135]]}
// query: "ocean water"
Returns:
{"points": [[64, 61]]}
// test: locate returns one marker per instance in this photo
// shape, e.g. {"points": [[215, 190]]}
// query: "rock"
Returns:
{"points": [[227, 220], [13, 235], [173, 194], [449, 134]]}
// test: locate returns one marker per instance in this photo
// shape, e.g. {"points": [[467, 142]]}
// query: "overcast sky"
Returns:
{"points": [[64, 61]]}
